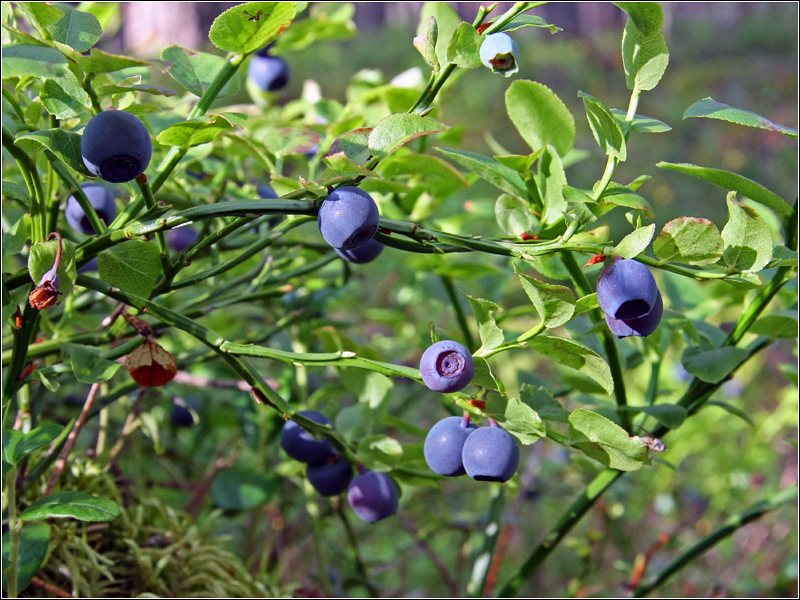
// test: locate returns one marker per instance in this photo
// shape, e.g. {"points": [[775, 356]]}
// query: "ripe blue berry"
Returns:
{"points": [[642, 327], [490, 454], [269, 73], [348, 218], [265, 192], [373, 496], [444, 445], [500, 53], [447, 367], [301, 445], [182, 413], [102, 202], [116, 146], [181, 238], [363, 254], [626, 289], [330, 476]]}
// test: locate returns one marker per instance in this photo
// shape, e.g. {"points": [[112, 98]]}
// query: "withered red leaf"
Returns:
{"points": [[150, 365]]}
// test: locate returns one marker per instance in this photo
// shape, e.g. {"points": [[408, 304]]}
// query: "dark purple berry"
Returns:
{"points": [[490, 454], [642, 327], [269, 73], [181, 238], [301, 445], [373, 496], [331, 476], [447, 367], [102, 202], [444, 444], [348, 218], [363, 254], [626, 289], [116, 146]]}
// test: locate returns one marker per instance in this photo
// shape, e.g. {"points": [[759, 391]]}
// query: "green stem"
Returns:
{"points": [[374, 592], [712, 539], [22, 339], [759, 303], [14, 532], [33, 183], [61, 169], [460, 316], [89, 88], [150, 202], [11, 99], [483, 560]]}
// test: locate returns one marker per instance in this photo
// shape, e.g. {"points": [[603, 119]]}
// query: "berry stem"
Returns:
{"points": [[493, 423], [465, 420], [57, 261]]}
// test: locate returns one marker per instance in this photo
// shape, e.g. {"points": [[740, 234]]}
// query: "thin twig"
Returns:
{"points": [[127, 429], [50, 588], [195, 501], [435, 559]]}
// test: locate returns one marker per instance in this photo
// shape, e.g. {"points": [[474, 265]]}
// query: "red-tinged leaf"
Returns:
{"points": [[150, 365]]}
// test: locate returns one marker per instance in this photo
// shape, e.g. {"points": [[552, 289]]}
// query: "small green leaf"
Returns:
{"points": [[554, 303], [196, 70], [34, 543], [240, 489], [341, 165], [647, 16], [50, 384], [644, 53], [447, 20], [380, 452], [464, 46], [778, 325], [671, 415], [542, 401], [576, 356], [355, 422], [618, 195], [326, 21], [78, 30], [64, 98], [289, 140], [605, 441], [249, 27], [710, 108], [354, 144], [781, 255], [524, 20], [195, 132], [66, 145], [736, 183], [35, 439], [394, 131], [88, 364], [17, 236], [16, 191], [712, 365], [75, 505], [41, 14], [540, 116], [516, 417], [551, 181], [491, 170], [132, 266], [641, 123], [425, 41], [513, 215], [108, 90], [605, 128], [22, 60], [42, 258], [491, 334], [732, 410], [633, 244], [11, 437], [103, 62], [484, 377], [689, 240], [748, 242], [586, 304]]}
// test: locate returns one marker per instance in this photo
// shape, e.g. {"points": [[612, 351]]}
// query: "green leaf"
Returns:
{"points": [[102, 62], [11, 437], [736, 183], [540, 116], [551, 182], [132, 266], [17, 236], [425, 41], [732, 410], [748, 242], [778, 325], [447, 20], [605, 128], [576, 356], [78, 30], [712, 365], [425, 165], [641, 123], [75, 505], [289, 140], [42, 258], [689, 240], [108, 90], [524, 20], [605, 441], [380, 452], [354, 144], [671, 415], [16, 191], [543, 402], [240, 489], [249, 27], [35, 439], [66, 145], [513, 215], [50, 384], [88, 363], [341, 165], [41, 14], [647, 16], [554, 303], [484, 377], [586, 304], [394, 131], [618, 195], [196, 70], [194, 132], [22, 60], [326, 21], [644, 55], [490, 170], [491, 334], [516, 417], [464, 47], [711, 109], [355, 422], [64, 98], [34, 543], [633, 244], [781, 255]]}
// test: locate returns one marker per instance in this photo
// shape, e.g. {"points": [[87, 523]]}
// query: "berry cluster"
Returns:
{"points": [[373, 496], [628, 294]]}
